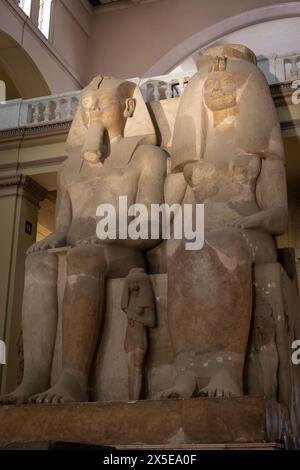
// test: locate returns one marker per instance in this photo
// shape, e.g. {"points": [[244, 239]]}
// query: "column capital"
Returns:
{"points": [[23, 183]]}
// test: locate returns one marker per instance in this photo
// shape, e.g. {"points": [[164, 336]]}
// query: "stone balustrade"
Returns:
{"points": [[280, 69], [38, 111], [62, 107], [164, 86]]}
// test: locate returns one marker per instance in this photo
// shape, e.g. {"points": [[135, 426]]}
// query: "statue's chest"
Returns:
{"points": [[221, 147], [87, 192]]}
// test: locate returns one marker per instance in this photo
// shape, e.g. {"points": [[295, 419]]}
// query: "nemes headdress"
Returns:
{"points": [[140, 124], [255, 117]]}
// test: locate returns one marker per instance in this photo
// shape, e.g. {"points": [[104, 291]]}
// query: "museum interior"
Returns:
{"points": [[50, 50]]}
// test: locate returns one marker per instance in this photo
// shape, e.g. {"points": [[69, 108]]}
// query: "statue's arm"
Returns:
{"points": [[271, 194], [175, 188], [271, 190], [151, 164]]}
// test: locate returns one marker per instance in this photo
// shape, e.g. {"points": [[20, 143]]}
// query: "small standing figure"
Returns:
{"points": [[138, 303]]}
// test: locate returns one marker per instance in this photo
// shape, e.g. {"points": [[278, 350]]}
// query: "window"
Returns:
{"points": [[44, 16], [25, 5]]}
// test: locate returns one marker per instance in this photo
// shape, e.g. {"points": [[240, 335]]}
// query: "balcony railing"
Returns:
{"points": [[61, 108], [38, 111]]}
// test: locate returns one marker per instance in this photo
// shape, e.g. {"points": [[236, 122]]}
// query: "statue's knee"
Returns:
{"points": [[41, 263], [229, 242], [85, 259], [241, 248]]}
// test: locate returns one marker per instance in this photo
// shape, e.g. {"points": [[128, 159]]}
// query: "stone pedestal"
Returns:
{"points": [[194, 423]]}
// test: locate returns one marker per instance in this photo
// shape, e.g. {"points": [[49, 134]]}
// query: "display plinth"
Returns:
{"points": [[216, 422]]}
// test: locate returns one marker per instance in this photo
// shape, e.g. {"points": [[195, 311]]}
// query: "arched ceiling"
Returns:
{"points": [[278, 37], [263, 17], [21, 75]]}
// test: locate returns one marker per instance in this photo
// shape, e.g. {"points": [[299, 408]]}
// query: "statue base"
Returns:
{"points": [[197, 423]]}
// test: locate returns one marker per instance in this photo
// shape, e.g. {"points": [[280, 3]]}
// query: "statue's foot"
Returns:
{"points": [[18, 397], [221, 385], [66, 390], [184, 387]]}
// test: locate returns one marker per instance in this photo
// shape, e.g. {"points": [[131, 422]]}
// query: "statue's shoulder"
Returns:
{"points": [[147, 155]]}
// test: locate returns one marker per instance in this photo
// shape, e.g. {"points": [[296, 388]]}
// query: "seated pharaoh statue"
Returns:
{"points": [[228, 155], [118, 158]]}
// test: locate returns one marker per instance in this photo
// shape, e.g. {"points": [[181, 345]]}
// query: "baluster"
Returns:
{"points": [[57, 110], [169, 93], [36, 113], [294, 68], [47, 111], [75, 105], [181, 85], [29, 114], [175, 88], [156, 93], [69, 108]]}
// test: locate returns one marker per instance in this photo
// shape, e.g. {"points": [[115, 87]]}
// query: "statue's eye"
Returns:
{"points": [[228, 82]]}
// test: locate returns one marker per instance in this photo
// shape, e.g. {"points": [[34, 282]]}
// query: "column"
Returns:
{"points": [[19, 204]]}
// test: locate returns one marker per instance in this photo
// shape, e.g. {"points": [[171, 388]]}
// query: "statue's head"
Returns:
{"points": [[219, 89], [117, 109], [110, 110], [137, 280], [113, 109], [228, 95], [110, 101]]}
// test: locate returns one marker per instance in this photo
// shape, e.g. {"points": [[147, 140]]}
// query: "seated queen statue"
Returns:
{"points": [[228, 155]]}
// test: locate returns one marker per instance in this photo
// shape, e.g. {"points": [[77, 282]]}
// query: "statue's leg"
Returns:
{"points": [[39, 323], [136, 345], [81, 323], [135, 360], [209, 312]]}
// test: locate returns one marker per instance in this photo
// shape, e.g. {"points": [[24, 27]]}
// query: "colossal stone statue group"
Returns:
{"points": [[227, 154]]}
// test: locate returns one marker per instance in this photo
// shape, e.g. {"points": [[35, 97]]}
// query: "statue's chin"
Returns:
{"points": [[91, 157]]}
